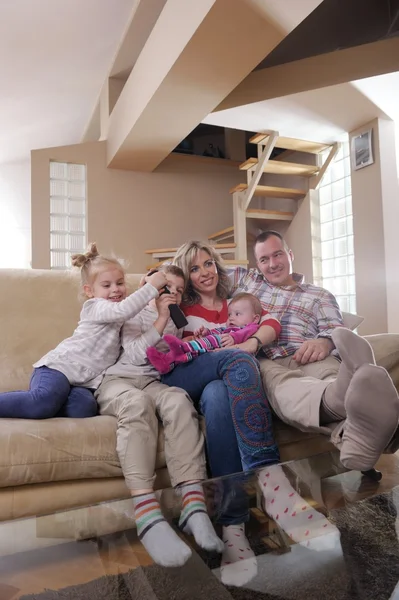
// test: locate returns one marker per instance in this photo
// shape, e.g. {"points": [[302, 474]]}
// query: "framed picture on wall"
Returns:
{"points": [[362, 150]]}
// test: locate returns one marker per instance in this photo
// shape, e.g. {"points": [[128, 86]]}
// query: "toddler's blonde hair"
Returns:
{"points": [[91, 263]]}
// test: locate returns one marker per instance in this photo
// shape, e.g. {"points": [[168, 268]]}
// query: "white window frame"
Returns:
{"points": [[336, 261], [68, 212]]}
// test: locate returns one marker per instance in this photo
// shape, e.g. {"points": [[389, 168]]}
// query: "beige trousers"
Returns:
{"points": [[295, 391], [139, 403]]}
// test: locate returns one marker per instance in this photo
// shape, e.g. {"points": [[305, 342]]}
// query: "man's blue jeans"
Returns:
{"points": [[50, 395], [227, 388]]}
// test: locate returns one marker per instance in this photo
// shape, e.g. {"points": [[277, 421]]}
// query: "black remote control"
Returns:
{"points": [[176, 314]]}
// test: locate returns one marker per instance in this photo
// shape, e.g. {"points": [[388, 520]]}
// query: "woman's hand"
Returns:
{"points": [[227, 340], [199, 332]]}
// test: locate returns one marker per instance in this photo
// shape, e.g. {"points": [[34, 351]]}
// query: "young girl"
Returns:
{"points": [[63, 380]]}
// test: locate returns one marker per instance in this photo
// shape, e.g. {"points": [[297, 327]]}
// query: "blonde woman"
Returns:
{"points": [[227, 389]]}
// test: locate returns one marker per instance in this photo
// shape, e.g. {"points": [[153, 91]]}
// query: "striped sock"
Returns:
{"points": [[156, 535], [194, 518]]}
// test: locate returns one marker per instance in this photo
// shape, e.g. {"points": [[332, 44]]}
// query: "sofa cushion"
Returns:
{"points": [[61, 449], [42, 310], [352, 321], [386, 351]]}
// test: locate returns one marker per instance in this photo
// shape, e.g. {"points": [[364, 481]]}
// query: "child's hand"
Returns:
{"points": [[227, 340], [158, 280], [143, 279], [163, 303], [199, 332]]}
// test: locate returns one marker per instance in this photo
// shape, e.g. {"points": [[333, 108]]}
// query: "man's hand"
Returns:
{"points": [[313, 351], [249, 346], [227, 340]]}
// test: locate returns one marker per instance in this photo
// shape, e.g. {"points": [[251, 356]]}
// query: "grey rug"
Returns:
{"points": [[364, 566]]}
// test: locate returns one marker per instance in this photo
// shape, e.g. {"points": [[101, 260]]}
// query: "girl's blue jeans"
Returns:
{"points": [[50, 395]]}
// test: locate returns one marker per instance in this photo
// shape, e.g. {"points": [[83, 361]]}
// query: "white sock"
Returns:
{"points": [[292, 513], [239, 564], [194, 518], [156, 535]]}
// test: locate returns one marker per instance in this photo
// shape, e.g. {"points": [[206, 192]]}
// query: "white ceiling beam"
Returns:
{"points": [[196, 54], [316, 72]]}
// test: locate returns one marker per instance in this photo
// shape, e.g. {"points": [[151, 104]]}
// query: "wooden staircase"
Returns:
{"points": [[255, 168], [232, 242]]}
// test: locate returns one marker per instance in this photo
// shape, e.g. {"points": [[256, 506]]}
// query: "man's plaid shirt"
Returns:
{"points": [[305, 311]]}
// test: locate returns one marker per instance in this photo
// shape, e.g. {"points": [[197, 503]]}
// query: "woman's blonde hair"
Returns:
{"points": [[184, 259], [91, 263]]}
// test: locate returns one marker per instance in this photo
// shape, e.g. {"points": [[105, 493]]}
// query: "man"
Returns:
{"points": [[307, 386]]}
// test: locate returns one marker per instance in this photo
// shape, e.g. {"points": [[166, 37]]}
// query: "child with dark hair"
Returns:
{"points": [[132, 392]]}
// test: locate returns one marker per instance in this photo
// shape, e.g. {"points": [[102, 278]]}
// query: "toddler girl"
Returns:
{"points": [[63, 380]]}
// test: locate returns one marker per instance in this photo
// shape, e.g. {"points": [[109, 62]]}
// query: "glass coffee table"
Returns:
{"points": [[352, 552]]}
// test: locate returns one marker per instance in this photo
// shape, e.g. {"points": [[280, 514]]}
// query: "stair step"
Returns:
{"points": [[271, 215], [172, 251], [222, 234], [269, 191], [279, 167], [291, 143], [229, 262], [233, 262]]}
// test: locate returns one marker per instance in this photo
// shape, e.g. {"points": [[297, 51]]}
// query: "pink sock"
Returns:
{"points": [[292, 513], [177, 349], [163, 362]]}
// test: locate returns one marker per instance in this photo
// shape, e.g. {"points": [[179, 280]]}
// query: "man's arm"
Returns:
{"points": [[236, 276], [266, 335], [329, 317]]}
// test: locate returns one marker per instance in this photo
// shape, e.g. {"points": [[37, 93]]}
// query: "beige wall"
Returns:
{"points": [[368, 230], [129, 212], [299, 238], [15, 223], [390, 195], [375, 197]]}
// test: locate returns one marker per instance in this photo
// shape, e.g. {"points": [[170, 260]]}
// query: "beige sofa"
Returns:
{"points": [[56, 464]]}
